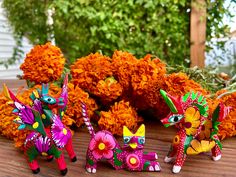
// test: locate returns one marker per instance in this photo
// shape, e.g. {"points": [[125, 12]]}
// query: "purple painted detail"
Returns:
{"points": [[102, 145], [38, 106], [27, 117], [31, 137], [60, 134], [42, 144]]}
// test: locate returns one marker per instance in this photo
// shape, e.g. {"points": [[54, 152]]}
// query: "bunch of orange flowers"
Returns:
{"points": [[74, 110], [120, 114], [43, 64], [88, 71]]}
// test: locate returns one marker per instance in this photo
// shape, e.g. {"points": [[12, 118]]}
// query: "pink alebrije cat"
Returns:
{"points": [[131, 157]]}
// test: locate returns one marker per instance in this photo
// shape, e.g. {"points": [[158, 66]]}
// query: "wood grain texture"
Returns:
{"points": [[158, 138], [198, 33]]}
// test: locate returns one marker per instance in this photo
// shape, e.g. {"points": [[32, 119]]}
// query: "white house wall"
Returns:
{"points": [[7, 44]]}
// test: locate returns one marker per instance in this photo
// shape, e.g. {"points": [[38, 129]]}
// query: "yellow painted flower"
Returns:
{"points": [[206, 130], [198, 147], [192, 121]]}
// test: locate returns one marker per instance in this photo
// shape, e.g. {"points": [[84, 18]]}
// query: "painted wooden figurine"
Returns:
{"points": [[197, 132], [49, 136], [131, 157]]}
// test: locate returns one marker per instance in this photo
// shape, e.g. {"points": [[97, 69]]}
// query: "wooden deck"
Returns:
{"points": [[158, 138]]}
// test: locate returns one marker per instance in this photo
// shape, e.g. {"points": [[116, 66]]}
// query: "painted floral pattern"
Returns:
{"points": [[102, 145], [192, 121], [43, 145], [60, 133]]}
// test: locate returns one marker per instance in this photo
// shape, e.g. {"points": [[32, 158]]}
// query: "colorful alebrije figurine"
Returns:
{"points": [[131, 157], [49, 136], [197, 132]]}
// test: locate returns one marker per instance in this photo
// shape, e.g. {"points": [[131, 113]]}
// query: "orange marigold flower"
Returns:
{"points": [[120, 114], [123, 63], [43, 64], [74, 110], [88, 71], [108, 90], [147, 79]]}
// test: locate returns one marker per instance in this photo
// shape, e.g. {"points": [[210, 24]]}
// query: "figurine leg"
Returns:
{"points": [[70, 150], [172, 152], [216, 153], [150, 156], [179, 162], [34, 166], [61, 164], [91, 166], [151, 166]]}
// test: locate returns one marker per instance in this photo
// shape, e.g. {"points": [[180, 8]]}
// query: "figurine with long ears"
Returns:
{"points": [[197, 132], [131, 157], [49, 136]]}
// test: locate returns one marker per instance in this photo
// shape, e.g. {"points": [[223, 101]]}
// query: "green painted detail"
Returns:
{"points": [[116, 161], [37, 118], [54, 151], [185, 97], [118, 150], [32, 153], [90, 162], [200, 98], [32, 96], [187, 142], [204, 102], [213, 134], [194, 95], [48, 114], [168, 101], [201, 109], [145, 165], [145, 153], [219, 144], [207, 108], [215, 126], [216, 113]]}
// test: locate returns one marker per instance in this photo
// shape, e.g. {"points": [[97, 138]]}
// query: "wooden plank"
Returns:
{"points": [[198, 33], [158, 138]]}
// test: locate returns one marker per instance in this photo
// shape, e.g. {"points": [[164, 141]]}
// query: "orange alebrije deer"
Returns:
{"points": [[197, 132]]}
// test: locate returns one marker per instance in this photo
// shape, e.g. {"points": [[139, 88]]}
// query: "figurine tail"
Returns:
{"points": [[218, 116], [87, 120]]}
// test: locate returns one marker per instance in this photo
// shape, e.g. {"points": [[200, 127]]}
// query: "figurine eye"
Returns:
{"points": [[175, 118], [126, 139], [49, 100], [141, 140]]}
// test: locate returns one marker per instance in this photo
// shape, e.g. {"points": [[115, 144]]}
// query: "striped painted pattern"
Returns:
{"points": [[87, 120]]}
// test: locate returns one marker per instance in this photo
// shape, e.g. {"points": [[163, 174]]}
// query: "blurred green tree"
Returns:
{"points": [[159, 27]]}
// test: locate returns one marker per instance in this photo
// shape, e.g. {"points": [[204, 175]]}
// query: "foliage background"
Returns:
{"points": [[159, 27]]}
